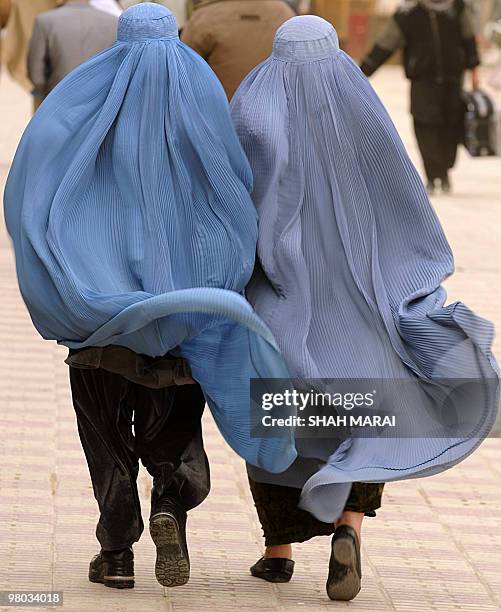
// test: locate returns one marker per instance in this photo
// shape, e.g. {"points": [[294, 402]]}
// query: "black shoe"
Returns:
{"points": [[114, 569], [446, 185], [273, 569], [168, 532], [345, 571]]}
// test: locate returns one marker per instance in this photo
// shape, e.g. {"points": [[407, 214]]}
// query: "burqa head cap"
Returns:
{"points": [[146, 21], [304, 39]]}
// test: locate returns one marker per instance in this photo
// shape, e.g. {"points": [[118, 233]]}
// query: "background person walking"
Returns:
{"points": [[19, 27], [234, 36], [438, 42], [17, 36], [63, 39]]}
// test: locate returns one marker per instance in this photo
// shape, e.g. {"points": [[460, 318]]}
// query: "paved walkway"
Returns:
{"points": [[434, 546]]}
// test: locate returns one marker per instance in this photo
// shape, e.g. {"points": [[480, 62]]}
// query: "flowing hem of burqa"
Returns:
{"points": [[351, 261], [128, 206], [221, 323]]}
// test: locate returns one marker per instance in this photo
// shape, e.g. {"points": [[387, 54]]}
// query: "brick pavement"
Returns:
{"points": [[434, 545]]}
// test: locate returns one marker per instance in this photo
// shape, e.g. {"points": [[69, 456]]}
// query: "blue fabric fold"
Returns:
{"points": [[351, 261], [128, 205]]}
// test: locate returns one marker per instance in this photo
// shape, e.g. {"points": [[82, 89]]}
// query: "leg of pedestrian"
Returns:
{"points": [[105, 432], [168, 434]]}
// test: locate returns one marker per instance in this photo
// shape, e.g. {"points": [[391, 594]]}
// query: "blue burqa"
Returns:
{"points": [[128, 205], [351, 261]]}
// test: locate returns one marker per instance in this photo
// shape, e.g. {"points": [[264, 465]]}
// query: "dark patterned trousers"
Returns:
{"points": [[283, 522]]}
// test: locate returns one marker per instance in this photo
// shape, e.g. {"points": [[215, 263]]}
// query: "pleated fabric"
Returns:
{"points": [[351, 261], [128, 205]]}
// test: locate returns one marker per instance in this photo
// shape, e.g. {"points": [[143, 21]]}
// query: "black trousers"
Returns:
{"points": [[438, 145], [283, 522], [120, 422], [438, 115]]}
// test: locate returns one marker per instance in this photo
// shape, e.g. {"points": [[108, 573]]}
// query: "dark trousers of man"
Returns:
{"points": [[438, 123], [283, 522], [120, 422]]}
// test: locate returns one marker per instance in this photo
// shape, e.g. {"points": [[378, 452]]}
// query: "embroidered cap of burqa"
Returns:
{"points": [[351, 261], [128, 205]]}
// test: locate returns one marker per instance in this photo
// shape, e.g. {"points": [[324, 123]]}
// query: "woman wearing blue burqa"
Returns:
{"points": [[351, 261], [135, 235]]}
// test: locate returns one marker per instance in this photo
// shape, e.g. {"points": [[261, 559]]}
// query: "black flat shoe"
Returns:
{"points": [[345, 568], [168, 532], [114, 569], [273, 569]]}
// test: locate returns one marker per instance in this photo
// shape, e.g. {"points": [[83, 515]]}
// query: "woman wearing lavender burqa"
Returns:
{"points": [[351, 257]]}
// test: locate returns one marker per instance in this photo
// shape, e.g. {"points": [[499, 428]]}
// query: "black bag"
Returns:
{"points": [[481, 124]]}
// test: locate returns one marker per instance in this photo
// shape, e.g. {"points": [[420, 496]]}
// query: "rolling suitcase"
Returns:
{"points": [[481, 124]]}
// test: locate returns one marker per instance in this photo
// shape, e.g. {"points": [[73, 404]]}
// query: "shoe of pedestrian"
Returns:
{"points": [[345, 571], [114, 569], [274, 569], [446, 185], [430, 187], [168, 532]]}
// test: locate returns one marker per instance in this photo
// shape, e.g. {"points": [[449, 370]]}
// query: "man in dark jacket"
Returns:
{"points": [[438, 42]]}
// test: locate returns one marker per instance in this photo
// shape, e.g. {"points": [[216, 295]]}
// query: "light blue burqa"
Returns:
{"points": [[128, 205], [351, 261]]}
